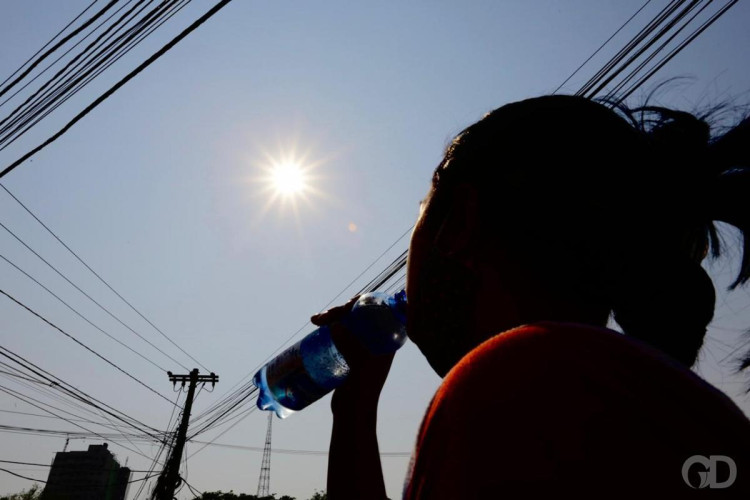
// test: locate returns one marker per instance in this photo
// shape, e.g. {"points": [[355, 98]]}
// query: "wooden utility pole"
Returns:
{"points": [[169, 479]]}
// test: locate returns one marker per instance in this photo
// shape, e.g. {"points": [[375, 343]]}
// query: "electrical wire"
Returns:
{"points": [[670, 24], [629, 48], [216, 8], [37, 107], [117, 367], [50, 65], [16, 395], [224, 418], [247, 413], [615, 91], [98, 276], [281, 451], [601, 47], [677, 50], [96, 414], [194, 491], [59, 466], [23, 477], [45, 482], [79, 418], [59, 44], [47, 44], [130, 422], [80, 315], [107, 311]]}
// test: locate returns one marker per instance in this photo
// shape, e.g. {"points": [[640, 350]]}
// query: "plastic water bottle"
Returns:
{"points": [[313, 367]]}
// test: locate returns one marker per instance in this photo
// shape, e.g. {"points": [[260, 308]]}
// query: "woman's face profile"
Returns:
{"points": [[440, 295]]}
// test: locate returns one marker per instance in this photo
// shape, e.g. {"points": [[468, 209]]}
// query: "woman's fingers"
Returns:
{"points": [[334, 314]]}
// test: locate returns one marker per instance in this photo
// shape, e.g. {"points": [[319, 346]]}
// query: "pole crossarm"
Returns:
{"points": [[183, 379]]}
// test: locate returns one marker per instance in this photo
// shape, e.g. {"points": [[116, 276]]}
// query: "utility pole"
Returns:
{"points": [[264, 481], [170, 476]]}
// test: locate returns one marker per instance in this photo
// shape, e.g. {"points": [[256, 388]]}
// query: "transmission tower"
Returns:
{"points": [[264, 481]]}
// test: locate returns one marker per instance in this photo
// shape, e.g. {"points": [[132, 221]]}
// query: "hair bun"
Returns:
{"points": [[647, 298]]}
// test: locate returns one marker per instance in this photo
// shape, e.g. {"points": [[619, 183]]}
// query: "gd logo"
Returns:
{"points": [[708, 473]]}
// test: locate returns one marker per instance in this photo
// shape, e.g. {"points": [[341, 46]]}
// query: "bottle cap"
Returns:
{"points": [[397, 304]]}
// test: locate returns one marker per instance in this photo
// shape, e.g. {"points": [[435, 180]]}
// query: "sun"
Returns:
{"points": [[289, 181], [288, 178]]}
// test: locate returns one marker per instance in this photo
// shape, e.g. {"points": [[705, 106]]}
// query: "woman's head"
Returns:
{"points": [[559, 208]]}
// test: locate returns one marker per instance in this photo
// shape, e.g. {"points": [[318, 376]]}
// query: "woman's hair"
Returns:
{"points": [[614, 206]]}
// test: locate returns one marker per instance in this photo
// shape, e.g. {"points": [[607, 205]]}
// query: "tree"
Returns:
{"points": [[231, 495], [319, 495], [32, 493]]}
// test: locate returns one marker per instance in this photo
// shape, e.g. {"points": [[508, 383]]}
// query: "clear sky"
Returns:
{"points": [[159, 190]]}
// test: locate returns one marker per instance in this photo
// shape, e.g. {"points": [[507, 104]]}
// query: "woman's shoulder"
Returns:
{"points": [[540, 402], [547, 345], [579, 358]]}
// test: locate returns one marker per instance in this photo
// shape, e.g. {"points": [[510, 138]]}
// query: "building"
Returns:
{"points": [[94, 474]]}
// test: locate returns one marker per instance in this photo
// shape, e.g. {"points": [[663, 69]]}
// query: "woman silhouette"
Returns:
{"points": [[544, 219]]}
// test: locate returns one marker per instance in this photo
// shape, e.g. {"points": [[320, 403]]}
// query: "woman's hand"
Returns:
{"points": [[368, 372]]}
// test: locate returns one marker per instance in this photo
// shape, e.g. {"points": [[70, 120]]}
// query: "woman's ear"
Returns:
{"points": [[459, 233]]}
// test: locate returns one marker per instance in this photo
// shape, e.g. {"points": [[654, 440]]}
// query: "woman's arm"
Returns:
{"points": [[354, 469]]}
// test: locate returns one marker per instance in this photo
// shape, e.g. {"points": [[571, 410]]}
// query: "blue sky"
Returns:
{"points": [[158, 190]]}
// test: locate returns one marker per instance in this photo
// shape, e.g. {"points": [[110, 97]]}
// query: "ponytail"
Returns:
{"points": [[729, 203], [665, 298]]}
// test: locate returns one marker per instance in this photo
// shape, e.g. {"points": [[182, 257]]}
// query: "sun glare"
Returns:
{"points": [[289, 181], [288, 178]]}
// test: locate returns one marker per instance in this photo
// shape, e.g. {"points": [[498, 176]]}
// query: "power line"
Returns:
{"points": [[224, 418], [77, 418], [110, 313], [7, 99], [675, 32], [281, 451], [98, 276], [76, 393], [58, 45], [221, 4], [17, 395], [39, 415], [60, 466], [678, 49], [194, 491], [246, 414], [47, 44], [45, 482], [79, 76], [77, 313], [601, 46], [23, 477], [629, 48], [83, 345], [146, 436]]}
